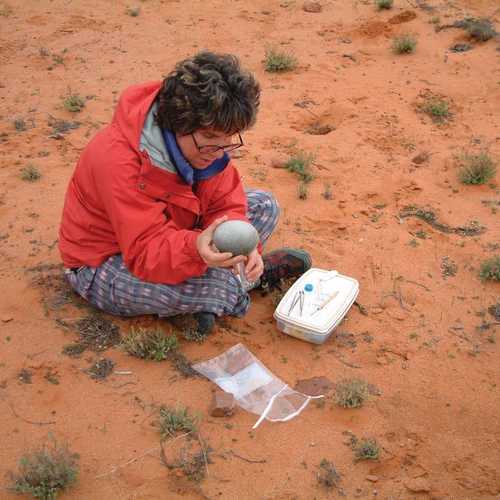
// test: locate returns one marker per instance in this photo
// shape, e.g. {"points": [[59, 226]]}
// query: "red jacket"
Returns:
{"points": [[119, 202]]}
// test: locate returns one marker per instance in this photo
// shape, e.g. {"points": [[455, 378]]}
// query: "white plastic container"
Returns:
{"points": [[314, 311]]}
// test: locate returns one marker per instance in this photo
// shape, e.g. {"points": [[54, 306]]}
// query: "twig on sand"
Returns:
{"points": [[28, 421], [247, 459]]}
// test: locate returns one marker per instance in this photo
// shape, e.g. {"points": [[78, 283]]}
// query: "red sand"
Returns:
{"points": [[437, 415]]}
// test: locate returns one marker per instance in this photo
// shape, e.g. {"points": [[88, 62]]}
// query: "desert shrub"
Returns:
{"points": [[172, 421], [481, 29], [367, 449], [384, 4], [437, 108], [300, 164], [133, 12], [476, 169], [329, 477], [351, 392], [30, 173], [73, 102], [43, 473], [490, 269], [302, 190], [327, 193], [404, 44], [279, 60], [149, 343], [20, 124]]}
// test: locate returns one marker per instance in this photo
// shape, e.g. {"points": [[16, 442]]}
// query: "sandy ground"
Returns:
{"points": [[426, 340]]}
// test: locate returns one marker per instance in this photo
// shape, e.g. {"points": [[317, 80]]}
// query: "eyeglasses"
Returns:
{"points": [[209, 148]]}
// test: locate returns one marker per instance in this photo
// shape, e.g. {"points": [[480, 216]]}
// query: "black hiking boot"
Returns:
{"points": [[283, 264]]}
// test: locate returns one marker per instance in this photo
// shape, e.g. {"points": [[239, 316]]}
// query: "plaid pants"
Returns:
{"points": [[114, 289]]}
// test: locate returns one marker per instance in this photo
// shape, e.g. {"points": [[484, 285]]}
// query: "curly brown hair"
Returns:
{"points": [[208, 90]]}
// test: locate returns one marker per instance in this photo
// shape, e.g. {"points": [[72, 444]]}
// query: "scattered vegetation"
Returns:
{"points": [[481, 29], [95, 332], [171, 421], [384, 4], [277, 294], [101, 369], [30, 173], [351, 392], [20, 125], [367, 449], [437, 108], [327, 193], [477, 168], [279, 60], [149, 343], [302, 190], [430, 217], [329, 477], [133, 12], [6, 11], [404, 44], [73, 102], [45, 472], [490, 269], [300, 163]]}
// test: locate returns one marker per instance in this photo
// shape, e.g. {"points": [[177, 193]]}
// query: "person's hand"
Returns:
{"points": [[210, 255], [254, 266]]}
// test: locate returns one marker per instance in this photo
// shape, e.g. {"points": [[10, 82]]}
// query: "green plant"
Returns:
{"points": [[6, 11], [73, 102], [300, 164], [43, 473], [279, 60], [171, 421], [133, 12], [435, 19], [367, 449], [30, 173], [351, 392], [302, 190], [477, 168], [20, 124], [149, 343], [384, 4], [490, 269], [437, 108], [404, 44]]}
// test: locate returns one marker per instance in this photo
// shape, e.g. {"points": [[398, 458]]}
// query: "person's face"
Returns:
{"points": [[189, 144]]}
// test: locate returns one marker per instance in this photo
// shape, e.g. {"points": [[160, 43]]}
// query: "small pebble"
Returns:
{"points": [[313, 444]]}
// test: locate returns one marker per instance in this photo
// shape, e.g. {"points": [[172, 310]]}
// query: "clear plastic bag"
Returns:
{"points": [[254, 387]]}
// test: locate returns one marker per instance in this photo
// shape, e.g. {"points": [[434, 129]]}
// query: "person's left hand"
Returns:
{"points": [[254, 266]]}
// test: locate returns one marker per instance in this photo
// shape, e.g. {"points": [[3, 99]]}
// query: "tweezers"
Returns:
{"points": [[298, 299]]}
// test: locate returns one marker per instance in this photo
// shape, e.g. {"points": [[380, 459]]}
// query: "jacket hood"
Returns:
{"points": [[132, 109]]}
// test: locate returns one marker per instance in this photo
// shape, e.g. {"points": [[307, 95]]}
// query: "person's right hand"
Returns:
{"points": [[210, 255]]}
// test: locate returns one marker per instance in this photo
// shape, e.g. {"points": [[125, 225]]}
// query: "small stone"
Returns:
{"points": [[222, 404], [382, 361], [313, 444], [6, 319], [236, 154], [279, 161], [373, 479], [421, 157], [312, 7]]}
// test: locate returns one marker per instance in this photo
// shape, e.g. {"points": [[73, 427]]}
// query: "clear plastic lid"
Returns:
{"points": [[317, 310]]}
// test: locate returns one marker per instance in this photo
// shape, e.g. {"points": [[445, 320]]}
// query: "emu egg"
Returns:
{"points": [[236, 236]]}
